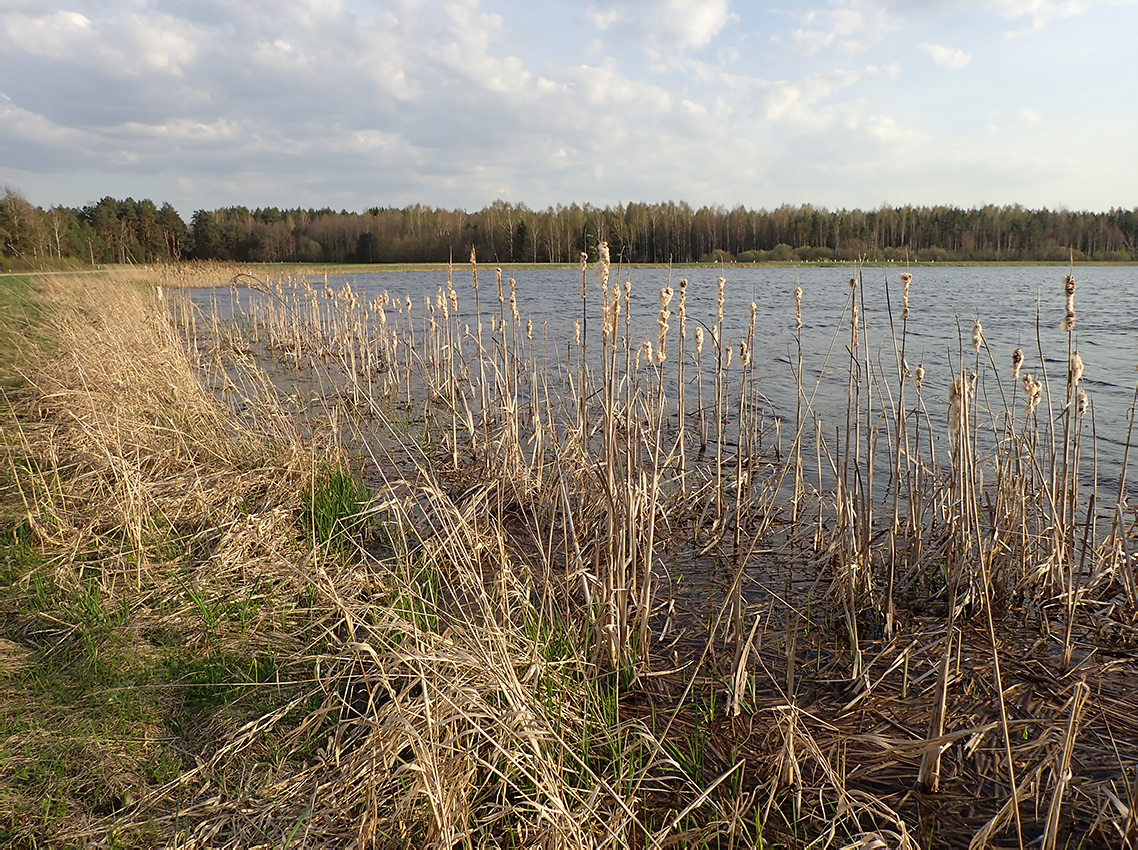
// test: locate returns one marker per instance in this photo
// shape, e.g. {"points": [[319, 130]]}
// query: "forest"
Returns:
{"points": [[129, 231]]}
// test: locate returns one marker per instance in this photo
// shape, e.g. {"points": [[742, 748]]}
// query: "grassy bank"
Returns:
{"points": [[343, 571], [213, 635]]}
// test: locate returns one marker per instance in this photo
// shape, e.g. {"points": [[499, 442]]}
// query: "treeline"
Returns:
{"points": [[113, 231], [110, 231]]}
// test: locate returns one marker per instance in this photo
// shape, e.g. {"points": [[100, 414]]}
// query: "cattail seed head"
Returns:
{"points": [[853, 324], [699, 340], [798, 308], [1083, 402], [1033, 392], [498, 277], [956, 405], [727, 363], [919, 376], [529, 329], [1017, 363], [721, 282], [682, 310], [977, 335], [1069, 286], [1075, 370], [972, 385], [906, 279], [1069, 321], [576, 331]]}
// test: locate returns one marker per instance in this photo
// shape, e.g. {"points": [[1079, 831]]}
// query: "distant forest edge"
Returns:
{"points": [[114, 231]]}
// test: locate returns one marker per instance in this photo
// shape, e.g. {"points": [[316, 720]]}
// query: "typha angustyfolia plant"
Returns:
{"points": [[617, 519], [681, 384]]}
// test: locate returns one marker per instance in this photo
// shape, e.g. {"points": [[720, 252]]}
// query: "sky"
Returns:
{"points": [[455, 103]]}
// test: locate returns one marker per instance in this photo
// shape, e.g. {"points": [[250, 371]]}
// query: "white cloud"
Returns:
{"points": [[795, 102], [121, 46], [1043, 12], [849, 26], [1027, 117], [665, 24], [810, 42], [946, 57]]}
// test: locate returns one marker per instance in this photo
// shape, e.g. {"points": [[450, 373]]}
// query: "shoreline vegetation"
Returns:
{"points": [[129, 231], [340, 571]]}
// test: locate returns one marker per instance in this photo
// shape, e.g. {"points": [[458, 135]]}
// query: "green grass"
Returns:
{"points": [[335, 509], [22, 316]]}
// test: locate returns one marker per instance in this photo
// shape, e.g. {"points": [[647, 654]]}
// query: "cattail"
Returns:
{"points": [[584, 268], [498, 278], [647, 351], [529, 329], [977, 335], [699, 341], [719, 304], [604, 250], [744, 352], [1083, 403], [494, 323], [615, 311], [798, 308], [662, 320], [1017, 363], [576, 331], [1069, 306], [728, 363], [853, 323], [1033, 392], [715, 335], [955, 405], [972, 385], [514, 304], [906, 279], [474, 268], [1075, 370], [682, 310], [919, 377]]}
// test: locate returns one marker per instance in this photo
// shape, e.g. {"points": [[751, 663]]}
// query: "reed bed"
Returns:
{"points": [[602, 595]]}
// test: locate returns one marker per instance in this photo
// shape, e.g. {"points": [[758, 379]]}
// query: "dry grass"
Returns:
{"points": [[495, 643]]}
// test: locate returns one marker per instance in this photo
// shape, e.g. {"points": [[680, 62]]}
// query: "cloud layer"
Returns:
{"points": [[350, 104]]}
